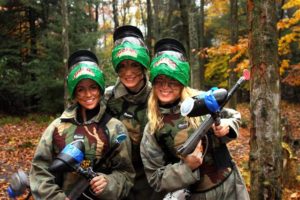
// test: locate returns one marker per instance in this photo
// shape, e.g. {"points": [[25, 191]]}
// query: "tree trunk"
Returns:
{"points": [[65, 42], [125, 8], [156, 22], [142, 11], [115, 13], [265, 138], [184, 9], [193, 41], [233, 41], [104, 21], [32, 28], [201, 46], [149, 27], [188, 16]]}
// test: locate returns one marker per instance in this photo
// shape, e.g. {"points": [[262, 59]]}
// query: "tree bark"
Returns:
{"points": [[149, 27], [233, 41], [184, 9], [32, 27], [156, 22], [141, 7], [201, 46], [65, 42], [188, 16], [115, 13], [193, 43], [104, 21], [265, 138]]}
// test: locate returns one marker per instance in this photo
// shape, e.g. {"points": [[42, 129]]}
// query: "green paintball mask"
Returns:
{"points": [[83, 64], [170, 60], [129, 45]]}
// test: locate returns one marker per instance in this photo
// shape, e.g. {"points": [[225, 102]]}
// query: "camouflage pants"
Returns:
{"points": [[233, 188], [142, 191]]}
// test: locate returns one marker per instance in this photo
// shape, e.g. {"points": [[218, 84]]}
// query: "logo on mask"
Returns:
{"points": [[127, 52], [83, 71], [166, 61]]}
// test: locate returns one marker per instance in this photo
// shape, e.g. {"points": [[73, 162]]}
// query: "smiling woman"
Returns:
{"points": [[127, 99], [206, 173], [87, 94], [87, 121]]}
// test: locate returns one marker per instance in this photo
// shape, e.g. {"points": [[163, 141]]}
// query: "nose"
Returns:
{"points": [[128, 72], [165, 85], [88, 92]]}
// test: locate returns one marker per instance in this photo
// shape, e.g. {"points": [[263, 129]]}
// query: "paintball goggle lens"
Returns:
{"points": [[133, 40], [131, 67], [176, 54], [162, 81]]}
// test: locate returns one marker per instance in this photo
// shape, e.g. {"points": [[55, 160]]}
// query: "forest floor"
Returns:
{"points": [[19, 137]]}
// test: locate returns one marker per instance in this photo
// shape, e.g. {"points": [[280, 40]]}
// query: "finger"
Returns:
{"points": [[97, 190], [96, 181], [96, 187], [100, 188], [199, 154], [219, 127], [199, 146]]}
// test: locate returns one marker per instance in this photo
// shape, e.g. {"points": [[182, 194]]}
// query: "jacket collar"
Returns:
{"points": [[70, 115], [120, 91]]}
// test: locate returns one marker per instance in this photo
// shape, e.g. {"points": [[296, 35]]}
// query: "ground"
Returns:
{"points": [[18, 139]]}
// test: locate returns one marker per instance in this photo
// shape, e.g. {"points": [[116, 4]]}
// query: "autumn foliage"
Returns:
{"points": [[18, 141], [221, 55]]}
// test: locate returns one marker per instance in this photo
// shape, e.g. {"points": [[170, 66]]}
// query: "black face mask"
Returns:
{"points": [[89, 113], [170, 105]]}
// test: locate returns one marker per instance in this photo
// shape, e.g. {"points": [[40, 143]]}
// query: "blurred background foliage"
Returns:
{"points": [[32, 69]]}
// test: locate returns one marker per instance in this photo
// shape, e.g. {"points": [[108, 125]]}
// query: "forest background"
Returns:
{"points": [[38, 36]]}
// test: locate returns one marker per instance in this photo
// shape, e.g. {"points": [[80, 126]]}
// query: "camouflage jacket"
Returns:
{"points": [[97, 141], [163, 168], [130, 109]]}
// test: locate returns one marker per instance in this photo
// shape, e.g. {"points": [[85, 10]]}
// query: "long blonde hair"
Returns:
{"points": [[155, 118]]}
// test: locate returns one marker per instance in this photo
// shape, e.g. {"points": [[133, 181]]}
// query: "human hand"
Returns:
{"points": [[98, 184], [195, 159], [221, 130]]}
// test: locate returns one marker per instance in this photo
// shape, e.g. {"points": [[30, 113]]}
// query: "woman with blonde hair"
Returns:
{"points": [[209, 176], [127, 99]]}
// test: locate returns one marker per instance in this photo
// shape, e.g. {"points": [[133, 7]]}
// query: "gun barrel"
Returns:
{"points": [[190, 144]]}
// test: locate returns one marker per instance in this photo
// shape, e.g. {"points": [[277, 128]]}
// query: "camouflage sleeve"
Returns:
{"points": [[162, 176], [108, 93], [121, 179], [42, 182], [233, 118]]}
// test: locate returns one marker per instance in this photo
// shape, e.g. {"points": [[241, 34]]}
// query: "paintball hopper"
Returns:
{"points": [[18, 183], [71, 156], [211, 101], [205, 103]]}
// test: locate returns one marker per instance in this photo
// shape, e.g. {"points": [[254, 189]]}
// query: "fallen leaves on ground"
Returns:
{"points": [[18, 142]]}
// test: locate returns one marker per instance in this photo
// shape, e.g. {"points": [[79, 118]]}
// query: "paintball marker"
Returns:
{"points": [[70, 159], [18, 184], [210, 103]]}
